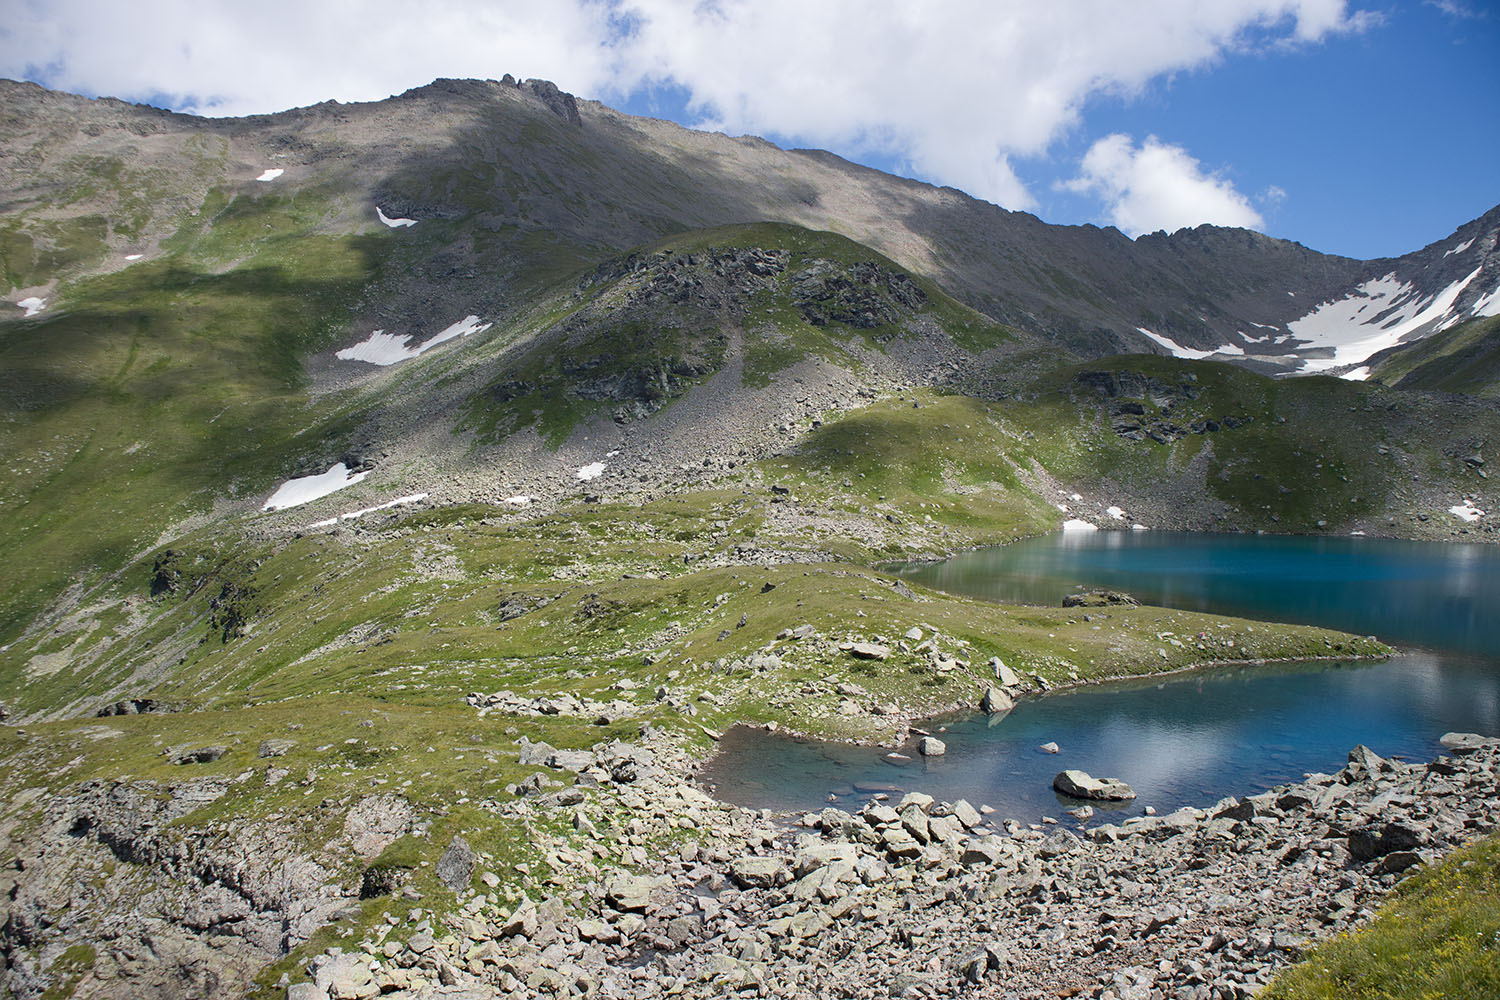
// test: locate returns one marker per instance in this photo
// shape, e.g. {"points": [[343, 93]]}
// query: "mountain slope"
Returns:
{"points": [[520, 184]]}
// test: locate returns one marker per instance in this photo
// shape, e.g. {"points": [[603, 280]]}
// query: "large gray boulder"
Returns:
{"points": [[1082, 785], [456, 866]]}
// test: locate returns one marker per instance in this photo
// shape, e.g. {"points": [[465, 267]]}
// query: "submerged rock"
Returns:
{"points": [[1082, 785]]}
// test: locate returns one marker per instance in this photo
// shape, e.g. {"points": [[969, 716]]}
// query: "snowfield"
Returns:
{"points": [[1379, 313], [1077, 524], [32, 305], [394, 223], [1466, 511], [271, 175], [381, 348], [296, 492], [1178, 351], [591, 471], [398, 502]]}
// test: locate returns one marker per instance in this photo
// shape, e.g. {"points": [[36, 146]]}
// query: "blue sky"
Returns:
{"points": [[1366, 129]]}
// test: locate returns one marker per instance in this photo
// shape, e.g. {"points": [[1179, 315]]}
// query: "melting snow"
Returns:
{"points": [[1116, 513], [520, 500], [1178, 351], [134, 256], [1076, 524], [1460, 248], [271, 175], [1377, 315], [591, 471], [296, 492], [1466, 510], [394, 223], [1358, 374], [1139, 527], [32, 305], [381, 348], [399, 501], [1488, 305]]}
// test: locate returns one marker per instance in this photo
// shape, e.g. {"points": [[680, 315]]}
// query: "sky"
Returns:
{"points": [[1366, 128]]}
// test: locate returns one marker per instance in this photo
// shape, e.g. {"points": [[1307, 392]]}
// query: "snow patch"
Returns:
{"points": [[1077, 524], [591, 471], [1116, 513], [296, 492], [1358, 374], [1466, 511], [520, 500], [134, 256], [1488, 305], [1178, 351], [398, 502], [1376, 315], [271, 174], [1139, 527], [1460, 248], [394, 223], [32, 305], [381, 348]]}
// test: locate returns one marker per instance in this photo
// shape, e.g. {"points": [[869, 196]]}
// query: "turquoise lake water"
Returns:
{"points": [[1189, 739]]}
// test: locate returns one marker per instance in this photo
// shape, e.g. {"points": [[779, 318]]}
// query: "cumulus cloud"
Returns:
{"points": [[960, 90], [1158, 186]]}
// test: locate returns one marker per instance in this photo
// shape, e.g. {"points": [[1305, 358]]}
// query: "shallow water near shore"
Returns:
{"points": [[1187, 739]]}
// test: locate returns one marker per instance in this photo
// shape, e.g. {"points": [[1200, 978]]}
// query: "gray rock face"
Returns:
{"points": [[375, 822], [456, 866], [1081, 785]]}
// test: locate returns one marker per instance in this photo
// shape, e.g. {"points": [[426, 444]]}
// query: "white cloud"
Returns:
{"points": [[960, 90], [1158, 186]]}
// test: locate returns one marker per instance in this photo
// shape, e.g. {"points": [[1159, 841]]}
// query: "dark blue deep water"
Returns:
{"points": [[1191, 739]]}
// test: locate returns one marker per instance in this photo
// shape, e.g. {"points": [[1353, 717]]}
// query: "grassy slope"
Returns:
{"points": [[1438, 938], [1463, 359]]}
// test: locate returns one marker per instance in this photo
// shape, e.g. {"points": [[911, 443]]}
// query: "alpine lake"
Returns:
{"points": [[1187, 739]]}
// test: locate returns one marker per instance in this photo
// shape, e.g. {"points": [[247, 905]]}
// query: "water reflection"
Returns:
{"points": [[1186, 740], [1411, 593]]}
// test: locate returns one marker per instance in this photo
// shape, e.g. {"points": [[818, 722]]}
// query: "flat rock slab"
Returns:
{"points": [[869, 651], [1082, 785], [1466, 743]]}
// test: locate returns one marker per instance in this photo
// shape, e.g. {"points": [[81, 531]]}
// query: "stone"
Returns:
{"points": [[1081, 785], [306, 991], [456, 866], [995, 702], [981, 852], [921, 800], [966, 814], [523, 921], [1050, 748], [630, 894], [931, 746], [196, 755], [1375, 841], [275, 748], [758, 873], [1462, 744], [1007, 677], [914, 634], [570, 760], [346, 977], [377, 821], [869, 651]]}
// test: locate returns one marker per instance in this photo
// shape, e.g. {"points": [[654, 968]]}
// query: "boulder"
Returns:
{"points": [[1376, 840], [995, 702], [758, 873], [345, 977], [931, 746], [196, 755], [630, 894], [869, 651], [456, 866], [1463, 744], [276, 748], [1082, 785]]}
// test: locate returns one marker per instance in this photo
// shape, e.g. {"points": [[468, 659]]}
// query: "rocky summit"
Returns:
{"points": [[402, 502]]}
